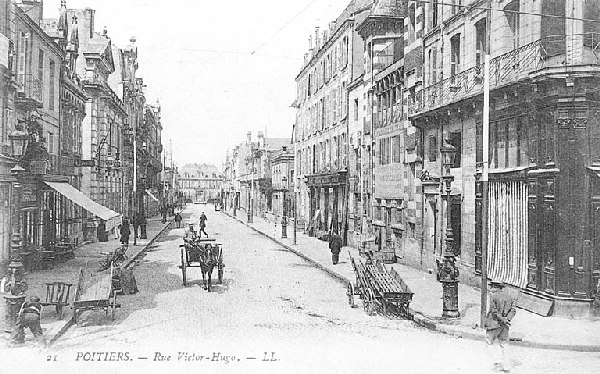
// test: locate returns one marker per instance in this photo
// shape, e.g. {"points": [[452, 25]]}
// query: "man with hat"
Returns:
{"points": [[29, 316], [502, 309], [190, 234]]}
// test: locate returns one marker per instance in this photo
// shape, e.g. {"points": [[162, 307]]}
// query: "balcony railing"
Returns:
{"points": [[510, 67], [29, 87]]}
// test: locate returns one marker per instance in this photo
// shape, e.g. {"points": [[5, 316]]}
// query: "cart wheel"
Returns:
{"points": [[350, 293], [369, 302], [183, 266]]}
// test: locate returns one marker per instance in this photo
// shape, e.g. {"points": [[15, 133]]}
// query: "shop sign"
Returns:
{"points": [[85, 163], [28, 195]]}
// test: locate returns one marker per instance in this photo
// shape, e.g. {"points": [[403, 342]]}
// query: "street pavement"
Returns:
{"points": [[275, 312], [527, 329]]}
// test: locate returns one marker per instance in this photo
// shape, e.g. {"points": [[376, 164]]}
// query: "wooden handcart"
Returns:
{"points": [[99, 295], [379, 288], [190, 257]]}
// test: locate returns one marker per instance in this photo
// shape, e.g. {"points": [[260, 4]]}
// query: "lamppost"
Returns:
{"points": [[284, 215], [447, 271], [14, 284]]}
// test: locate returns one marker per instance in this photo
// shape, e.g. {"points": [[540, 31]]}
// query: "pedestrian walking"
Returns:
{"points": [[501, 311], [29, 317], [163, 212], [335, 245], [136, 226], [203, 220], [178, 219], [125, 231], [101, 231]]}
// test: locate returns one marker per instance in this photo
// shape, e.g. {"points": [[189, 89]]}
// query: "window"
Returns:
{"points": [[455, 139], [432, 58], [356, 109], [512, 16], [480, 41], [455, 55], [411, 24], [50, 142], [41, 68], [433, 148], [51, 85], [434, 14], [396, 150]]}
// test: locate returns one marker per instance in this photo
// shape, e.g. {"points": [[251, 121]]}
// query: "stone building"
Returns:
{"points": [[201, 183], [544, 153], [282, 176], [321, 130], [103, 127]]}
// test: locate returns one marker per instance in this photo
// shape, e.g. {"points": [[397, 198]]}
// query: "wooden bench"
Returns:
{"points": [[57, 294]]}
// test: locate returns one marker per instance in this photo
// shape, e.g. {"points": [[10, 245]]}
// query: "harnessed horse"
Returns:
{"points": [[208, 257]]}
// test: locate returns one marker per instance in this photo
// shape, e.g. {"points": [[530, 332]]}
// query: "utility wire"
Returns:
{"points": [[283, 27], [505, 10], [215, 51]]}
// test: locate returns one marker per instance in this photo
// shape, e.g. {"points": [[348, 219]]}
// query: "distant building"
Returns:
{"points": [[200, 182]]}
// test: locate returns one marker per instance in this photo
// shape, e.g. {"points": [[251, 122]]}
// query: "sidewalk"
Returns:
{"points": [[528, 329], [86, 257]]}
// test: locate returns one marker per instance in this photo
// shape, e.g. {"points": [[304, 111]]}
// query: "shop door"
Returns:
{"points": [[542, 238]]}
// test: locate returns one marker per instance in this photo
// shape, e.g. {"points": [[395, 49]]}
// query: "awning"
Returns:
{"points": [[152, 196], [111, 217]]}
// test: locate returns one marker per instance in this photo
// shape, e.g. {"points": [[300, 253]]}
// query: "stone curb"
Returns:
{"points": [[424, 321], [71, 321]]}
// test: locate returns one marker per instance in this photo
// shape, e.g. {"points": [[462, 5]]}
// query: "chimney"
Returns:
{"points": [[317, 43], [34, 9], [310, 43], [249, 137]]}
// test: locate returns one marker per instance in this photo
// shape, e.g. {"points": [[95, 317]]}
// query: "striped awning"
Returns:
{"points": [[111, 217], [508, 231]]}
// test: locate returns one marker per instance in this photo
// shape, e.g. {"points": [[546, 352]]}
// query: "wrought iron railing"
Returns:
{"points": [[518, 64], [29, 87]]}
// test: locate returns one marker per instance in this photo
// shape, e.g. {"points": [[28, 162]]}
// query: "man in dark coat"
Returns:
{"points": [[203, 220], [136, 226], [501, 311], [335, 245], [125, 231], [29, 316], [178, 219]]}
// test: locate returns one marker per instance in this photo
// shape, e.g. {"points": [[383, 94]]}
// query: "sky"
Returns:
{"points": [[219, 68]]}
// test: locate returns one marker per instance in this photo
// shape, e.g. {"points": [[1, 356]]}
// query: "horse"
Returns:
{"points": [[209, 258]]}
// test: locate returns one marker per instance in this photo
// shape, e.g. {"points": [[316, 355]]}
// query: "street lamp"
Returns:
{"points": [[447, 271], [18, 141], [284, 218]]}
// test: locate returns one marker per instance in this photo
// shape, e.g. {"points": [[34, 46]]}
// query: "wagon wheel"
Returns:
{"points": [[369, 302], [183, 265], [350, 293]]}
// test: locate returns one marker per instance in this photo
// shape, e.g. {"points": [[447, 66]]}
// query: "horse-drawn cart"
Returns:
{"points": [[379, 288], [204, 253], [100, 294]]}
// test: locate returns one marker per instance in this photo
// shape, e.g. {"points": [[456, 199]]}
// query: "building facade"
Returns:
{"points": [[201, 182], [543, 154], [321, 130]]}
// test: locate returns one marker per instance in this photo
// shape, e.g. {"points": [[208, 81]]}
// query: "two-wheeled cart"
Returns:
{"points": [[191, 256], [99, 294], [379, 288]]}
